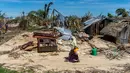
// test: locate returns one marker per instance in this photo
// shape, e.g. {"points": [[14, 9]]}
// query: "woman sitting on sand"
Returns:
{"points": [[73, 55]]}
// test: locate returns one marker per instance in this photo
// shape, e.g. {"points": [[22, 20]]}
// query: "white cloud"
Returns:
{"points": [[91, 2], [27, 1], [10, 1], [71, 2], [82, 2], [99, 5]]}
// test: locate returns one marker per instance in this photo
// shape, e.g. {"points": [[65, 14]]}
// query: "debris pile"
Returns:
{"points": [[46, 42]]}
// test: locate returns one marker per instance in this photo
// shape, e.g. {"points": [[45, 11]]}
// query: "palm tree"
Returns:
{"points": [[41, 14], [122, 12], [32, 17], [36, 16], [47, 8]]}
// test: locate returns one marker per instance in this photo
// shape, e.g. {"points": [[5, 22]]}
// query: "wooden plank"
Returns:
{"points": [[42, 37], [24, 46]]}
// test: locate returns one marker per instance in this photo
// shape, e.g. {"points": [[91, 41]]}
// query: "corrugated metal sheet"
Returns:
{"points": [[64, 31], [61, 19], [67, 34], [91, 21]]}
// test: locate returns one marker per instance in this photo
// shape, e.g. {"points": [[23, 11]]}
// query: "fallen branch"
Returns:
{"points": [[24, 46]]}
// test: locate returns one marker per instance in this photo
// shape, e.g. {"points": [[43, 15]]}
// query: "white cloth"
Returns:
{"points": [[73, 42], [60, 41]]}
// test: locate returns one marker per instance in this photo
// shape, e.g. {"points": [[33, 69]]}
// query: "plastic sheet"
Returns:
{"points": [[67, 34]]}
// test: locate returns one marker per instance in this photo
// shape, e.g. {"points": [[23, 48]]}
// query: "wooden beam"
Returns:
{"points": [[42, 37]]}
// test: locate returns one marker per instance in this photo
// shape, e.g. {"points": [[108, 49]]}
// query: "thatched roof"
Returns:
{"points": [[114, 28], [120, 19]]}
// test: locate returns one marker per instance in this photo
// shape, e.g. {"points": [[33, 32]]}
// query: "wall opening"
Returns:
{"points": [[109, 38]]}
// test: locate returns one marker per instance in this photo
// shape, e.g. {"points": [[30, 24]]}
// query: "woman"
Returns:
{"points": [[73, 55]]}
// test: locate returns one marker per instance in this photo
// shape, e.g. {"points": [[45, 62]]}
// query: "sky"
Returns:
{"points": [[14, 8]]}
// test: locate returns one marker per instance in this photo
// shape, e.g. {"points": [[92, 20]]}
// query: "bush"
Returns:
{"points": [[4, 70]]}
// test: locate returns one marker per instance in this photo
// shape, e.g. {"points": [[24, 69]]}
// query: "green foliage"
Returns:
{"points": [[39, 16], [35, 16], [13, 21], [87, 16], [109, 15], [122, 12], [2, 15], [27, 71], [74, 23], [72, 17], [125, 14], [4, 70], [23, 24]]}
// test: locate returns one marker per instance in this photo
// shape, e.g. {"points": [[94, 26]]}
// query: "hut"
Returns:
{"points": [[117, 32], [120, 19], [46, 41], [94, 25]]}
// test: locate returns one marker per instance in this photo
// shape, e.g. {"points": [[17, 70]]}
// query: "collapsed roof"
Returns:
{"points": [[92, 21], [66, 33], [120, 19], [114, 28]]}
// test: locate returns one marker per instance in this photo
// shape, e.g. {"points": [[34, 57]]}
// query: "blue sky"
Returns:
{"points": [[66, 7]]}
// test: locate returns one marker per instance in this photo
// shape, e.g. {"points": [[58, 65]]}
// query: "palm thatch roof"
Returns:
{"points": [[127, 19], [113, 29]]}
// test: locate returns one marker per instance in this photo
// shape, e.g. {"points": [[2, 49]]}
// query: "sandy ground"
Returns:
{"points": [[55, 60]]}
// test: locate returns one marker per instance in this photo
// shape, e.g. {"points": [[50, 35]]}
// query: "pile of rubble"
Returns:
{"points": [[85, 47], [24, 48]]}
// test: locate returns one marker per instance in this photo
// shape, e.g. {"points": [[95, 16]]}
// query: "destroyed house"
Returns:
{"points": [[120, 19], [46, 41], [93, 26], [117, 32]]}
